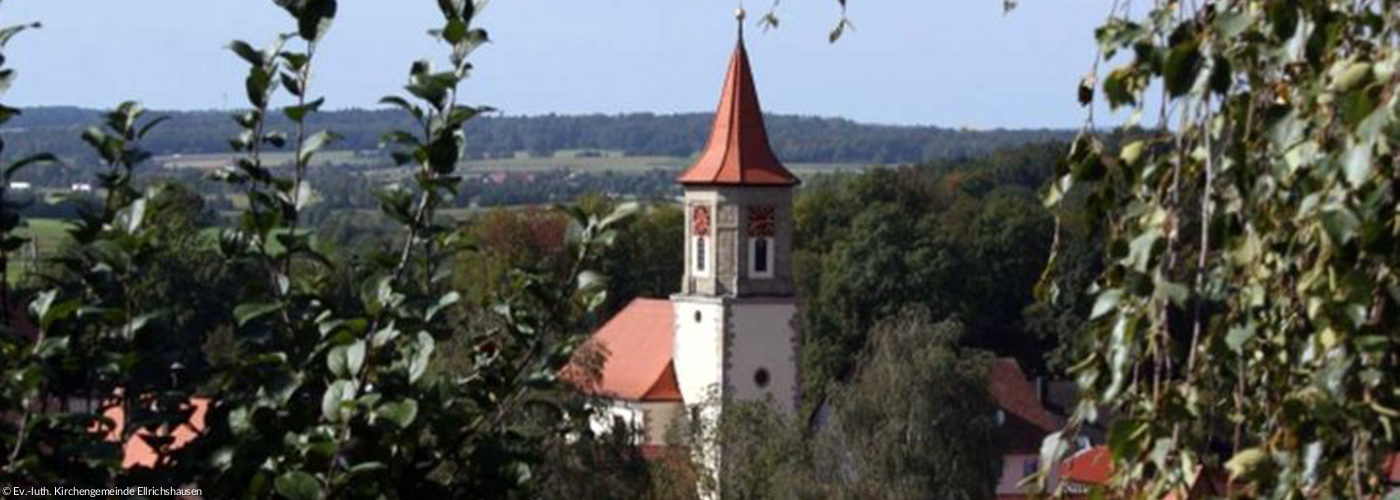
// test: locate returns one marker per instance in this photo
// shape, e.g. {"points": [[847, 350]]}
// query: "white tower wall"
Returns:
{"points": [[762, 352], [699, 345]]}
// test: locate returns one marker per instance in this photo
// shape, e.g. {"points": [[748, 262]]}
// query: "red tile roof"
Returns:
{"points": [[637, 346], [1089, 467], [1027, 422], [136, 452], [1015, 394], [738, 152], [1094, 466], [1390, 468], [666, 388]]}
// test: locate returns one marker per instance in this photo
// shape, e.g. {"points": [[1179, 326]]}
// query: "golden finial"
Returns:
{"points": [[739, 15]]}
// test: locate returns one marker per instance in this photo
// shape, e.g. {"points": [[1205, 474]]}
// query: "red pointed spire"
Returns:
{"points": [[738, 152]]}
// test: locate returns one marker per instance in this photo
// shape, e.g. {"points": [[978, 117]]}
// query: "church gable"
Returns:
{"points": [[666, 388]]}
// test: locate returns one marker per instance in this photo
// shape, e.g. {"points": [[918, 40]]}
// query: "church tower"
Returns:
{"points": [[736, 335]]}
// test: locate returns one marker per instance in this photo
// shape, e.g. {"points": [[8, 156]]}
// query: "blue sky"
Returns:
{"points": [[942, 62]]}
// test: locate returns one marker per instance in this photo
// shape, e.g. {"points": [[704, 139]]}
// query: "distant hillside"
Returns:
{"points": [[796, 138]]}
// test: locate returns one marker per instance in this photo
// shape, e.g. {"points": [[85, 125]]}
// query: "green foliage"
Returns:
{"points": [[111, 330], [856, 290], [324, 378], [974, 252], [10, 206], [766, 455], [915, 421], [1245, 322], [648, 257], [918, 421], [603, 467]]}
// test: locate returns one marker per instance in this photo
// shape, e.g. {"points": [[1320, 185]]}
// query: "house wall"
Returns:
{"points": [[657, 419], [1013, 470], [1015, 467], [651, 419], [626, 412]]}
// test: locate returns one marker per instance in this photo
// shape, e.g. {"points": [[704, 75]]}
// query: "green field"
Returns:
{"points": [[272, 159], [613, 161], [46, 236], [572, 160]]}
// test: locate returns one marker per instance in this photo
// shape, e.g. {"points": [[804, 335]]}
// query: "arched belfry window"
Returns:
{"points": [[701, 251], [761, 231], [700, 236], [761, 255]]}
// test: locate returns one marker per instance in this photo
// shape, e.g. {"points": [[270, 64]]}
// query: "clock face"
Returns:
{"points": [[762, 221], [700, 221]]}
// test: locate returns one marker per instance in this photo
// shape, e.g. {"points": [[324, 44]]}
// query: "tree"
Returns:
{"points": [[1011, 238], [648, 257], [338, 389], [917, 421], [768, 456], [962, 238], [1246, 318], [763, 454], [858, 289], [603, 466]]}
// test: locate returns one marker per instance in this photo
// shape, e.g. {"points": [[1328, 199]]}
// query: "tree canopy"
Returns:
{"points": [[1244, 326]]}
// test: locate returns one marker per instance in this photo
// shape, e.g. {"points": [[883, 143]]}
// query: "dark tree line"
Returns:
{"points": [[961, 239], [795, 138]]}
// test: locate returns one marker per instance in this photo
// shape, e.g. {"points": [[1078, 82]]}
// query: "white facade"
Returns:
{"points": [[762, 360], [737, 349], [699, 341], [651, 420]]}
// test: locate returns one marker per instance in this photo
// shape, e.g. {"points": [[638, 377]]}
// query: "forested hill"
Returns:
{"points": [[796, 138]]}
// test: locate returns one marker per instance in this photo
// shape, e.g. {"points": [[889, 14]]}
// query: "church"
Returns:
{"points": [[732, 333]]}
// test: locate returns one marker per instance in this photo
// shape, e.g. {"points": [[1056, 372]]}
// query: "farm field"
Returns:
{"points": [[572, 160], [46, 235], [271, 158], [615, 161]]}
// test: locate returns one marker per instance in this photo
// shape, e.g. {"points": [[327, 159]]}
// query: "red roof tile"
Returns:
{"points": [[637, 346], [1390, 468], [666, 388], [1094, 466], [137, 453], [1089, 467], [1017, 397], [1027, 422], [738, 152]]}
